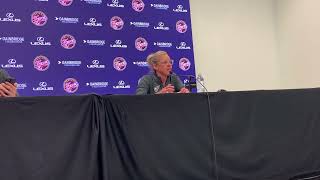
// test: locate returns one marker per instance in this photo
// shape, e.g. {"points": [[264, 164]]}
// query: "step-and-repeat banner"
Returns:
{"points": [[59, 47]]}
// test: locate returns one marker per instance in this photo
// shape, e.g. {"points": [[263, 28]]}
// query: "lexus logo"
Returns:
{"points": [[95, 62], [115, 1], [180, 7], [43, 84], [12, 61], [161, 24], [183, 44], [121, 83], [93, 20], [118, 42], [10, 15], [40, 39]]}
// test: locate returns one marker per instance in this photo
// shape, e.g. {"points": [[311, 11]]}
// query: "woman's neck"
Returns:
{"points": [[162, 77]]}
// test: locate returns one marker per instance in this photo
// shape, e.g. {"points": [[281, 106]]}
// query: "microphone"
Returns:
{"points": [[170, 79]]}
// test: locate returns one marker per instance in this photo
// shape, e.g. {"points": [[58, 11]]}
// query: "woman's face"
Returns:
{"points": [[164, 65]]}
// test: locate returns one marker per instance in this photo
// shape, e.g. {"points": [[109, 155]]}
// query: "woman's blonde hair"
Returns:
{"points": [[153, 59]]}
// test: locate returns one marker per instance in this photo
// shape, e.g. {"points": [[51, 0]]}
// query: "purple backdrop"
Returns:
{"points": [[59, 47]]}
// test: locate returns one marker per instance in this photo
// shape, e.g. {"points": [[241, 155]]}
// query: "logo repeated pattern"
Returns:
{"points": [[67, 47]]}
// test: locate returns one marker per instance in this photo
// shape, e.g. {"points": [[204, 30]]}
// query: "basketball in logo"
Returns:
{"points": [[67, 41], [138, 5], [70, 85], [65, 2], [141, 44], [39, 18], [119, 63], [41, 63], [116, 23], [181, 26], [184, 64]]}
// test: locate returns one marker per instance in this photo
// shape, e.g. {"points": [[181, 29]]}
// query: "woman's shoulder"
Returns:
{"points": [[3, 73], [175, 77], [147, 76]]}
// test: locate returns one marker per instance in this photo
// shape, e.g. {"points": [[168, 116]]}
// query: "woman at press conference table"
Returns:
{"points": [[160, 79], [7, 89]]}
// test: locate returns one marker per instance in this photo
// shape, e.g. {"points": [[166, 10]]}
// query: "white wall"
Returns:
{"points": [[235, 44], [298, 23]]}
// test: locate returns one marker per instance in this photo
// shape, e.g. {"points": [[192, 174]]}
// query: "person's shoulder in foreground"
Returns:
{"points": [[7, 89]]}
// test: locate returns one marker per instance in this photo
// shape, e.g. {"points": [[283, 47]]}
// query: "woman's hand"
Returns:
{"points": [[8, 90], [168, 89], [184, 90]]}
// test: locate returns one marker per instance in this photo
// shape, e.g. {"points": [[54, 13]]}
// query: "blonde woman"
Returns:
{"points": [[160, 79]]}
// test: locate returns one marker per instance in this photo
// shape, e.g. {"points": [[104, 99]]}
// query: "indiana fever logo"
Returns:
{"points": [[70, 85], [65, 2], [116, 23], [67, 41], [39, 18], [119, 63], [181, 26], [41, 63], [138, 5], [184, 64], [141, 44]]}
